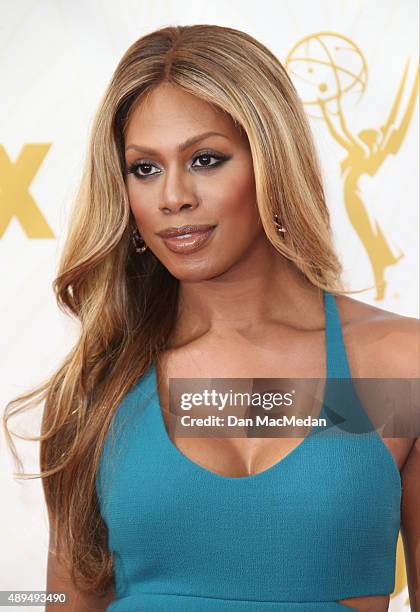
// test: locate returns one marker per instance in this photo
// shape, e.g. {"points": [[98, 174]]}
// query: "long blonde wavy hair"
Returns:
{"points": [[127, 305]]}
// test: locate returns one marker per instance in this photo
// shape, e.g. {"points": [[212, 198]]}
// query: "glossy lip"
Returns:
{"points": [[188, 243], [183, 230]]}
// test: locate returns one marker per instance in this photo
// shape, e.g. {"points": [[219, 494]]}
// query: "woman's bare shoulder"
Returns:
{"points": [[353, 310], [382, 343]]}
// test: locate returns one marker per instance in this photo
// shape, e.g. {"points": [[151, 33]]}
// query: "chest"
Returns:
{"points": [[238, 456]]}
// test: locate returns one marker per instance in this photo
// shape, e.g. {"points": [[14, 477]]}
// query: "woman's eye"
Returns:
{"points": [[206, 157], [145, 167]]}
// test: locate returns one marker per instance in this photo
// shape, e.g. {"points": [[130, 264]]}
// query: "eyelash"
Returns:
{"points": [[132, 169]]}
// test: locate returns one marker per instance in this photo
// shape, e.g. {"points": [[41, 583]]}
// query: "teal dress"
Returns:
{"points": [[318, 526]]}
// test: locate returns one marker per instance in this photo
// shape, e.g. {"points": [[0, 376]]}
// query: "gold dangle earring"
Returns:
{"points": [[138, 241], [278, 225]]}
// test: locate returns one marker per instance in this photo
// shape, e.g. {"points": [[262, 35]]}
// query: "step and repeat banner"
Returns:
{"points": [[355, 66]]}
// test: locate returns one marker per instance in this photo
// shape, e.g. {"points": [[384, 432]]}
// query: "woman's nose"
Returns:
{"points": [[177, 192]]}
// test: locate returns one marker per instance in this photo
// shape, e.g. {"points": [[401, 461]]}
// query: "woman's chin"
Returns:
{"points": [[194, 272]]}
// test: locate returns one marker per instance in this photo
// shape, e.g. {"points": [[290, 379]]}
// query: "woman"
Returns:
{"points": [[201, 126]]}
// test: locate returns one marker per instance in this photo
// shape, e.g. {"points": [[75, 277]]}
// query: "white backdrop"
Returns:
{"points": [[56, 59]]}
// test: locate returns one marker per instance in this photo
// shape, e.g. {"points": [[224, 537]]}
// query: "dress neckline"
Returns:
{"points": [[336, 366]]}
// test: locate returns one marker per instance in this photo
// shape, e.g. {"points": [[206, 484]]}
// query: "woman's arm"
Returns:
{"points": [[410, 473], [410, 523], [59, 581]]}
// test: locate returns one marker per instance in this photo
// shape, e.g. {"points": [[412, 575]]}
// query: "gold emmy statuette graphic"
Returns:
{"points": [[328, 67], [400, 572], [15, 199]]}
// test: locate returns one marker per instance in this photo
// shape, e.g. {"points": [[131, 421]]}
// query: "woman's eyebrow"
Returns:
{"points": [[180, 147]]}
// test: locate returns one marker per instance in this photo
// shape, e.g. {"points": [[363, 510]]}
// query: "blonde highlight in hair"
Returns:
{"points": [[126, 305]]}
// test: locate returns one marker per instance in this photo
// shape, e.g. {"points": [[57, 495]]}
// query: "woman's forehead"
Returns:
{"points": [[173, 116]]}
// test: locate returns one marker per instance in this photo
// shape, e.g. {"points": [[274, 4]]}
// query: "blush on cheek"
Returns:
{"points": [[234, 193]]}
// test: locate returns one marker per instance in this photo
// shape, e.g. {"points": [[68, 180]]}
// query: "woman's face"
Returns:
{"points": [[172, 183]]}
